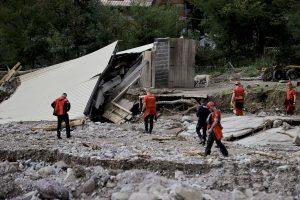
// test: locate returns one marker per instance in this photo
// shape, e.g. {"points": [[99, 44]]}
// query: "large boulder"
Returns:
{"points": [[242, 194], [297, 140], [89, 186], [277, 123], [120, 196], [79, 171], [70, 177], [46, 171], [61, 165], [8, 187], [286, 126], [51, 189], [184, 193], [141, 196], [187, 119], [9, 167]]}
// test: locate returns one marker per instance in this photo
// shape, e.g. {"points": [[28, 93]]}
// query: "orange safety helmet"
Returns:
{"points": [[210, 104]]}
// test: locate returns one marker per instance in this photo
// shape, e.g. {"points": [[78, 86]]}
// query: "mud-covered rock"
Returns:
{"points": [[184, 193], [242, 194], [297, 140], [70, 177], [142, 196], [89, 186], [9, 167], [79, 171], [28, 196], [120, 196], [61, 165], [277, 123], [186, 119], [51, 189], [8, 187], [46, 171], [286, 126]]}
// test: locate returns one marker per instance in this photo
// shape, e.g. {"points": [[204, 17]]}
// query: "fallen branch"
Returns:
{"points": [[93, 146], [194, 153], [285, 133], [261, 153], [164, 138], [174, 102], [11, 72], [190, 109]]}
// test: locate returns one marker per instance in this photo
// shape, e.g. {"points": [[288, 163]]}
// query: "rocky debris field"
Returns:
{"points": [[106, 161]]}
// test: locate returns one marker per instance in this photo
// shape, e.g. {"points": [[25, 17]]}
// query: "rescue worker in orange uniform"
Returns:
{"points": [[214, 130], [290, 99], [238, 98], [149, 109], [61, 107]]}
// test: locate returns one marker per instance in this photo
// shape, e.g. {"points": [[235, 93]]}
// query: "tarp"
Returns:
{"points": [[31, 101]]}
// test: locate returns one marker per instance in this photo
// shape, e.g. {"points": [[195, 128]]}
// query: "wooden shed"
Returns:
{"points": [[172, 63]]}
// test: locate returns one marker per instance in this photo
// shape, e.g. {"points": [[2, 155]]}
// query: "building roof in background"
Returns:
{"points": [[127, 3]]}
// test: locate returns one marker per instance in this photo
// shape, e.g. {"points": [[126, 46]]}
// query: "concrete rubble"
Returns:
{"points": [[108, 161]]}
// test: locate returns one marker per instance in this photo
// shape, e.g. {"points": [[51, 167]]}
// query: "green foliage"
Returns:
{"points": [[41, 33], [242, 29]]}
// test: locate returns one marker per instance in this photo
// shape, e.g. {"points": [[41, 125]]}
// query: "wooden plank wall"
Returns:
{"points": [[161, 58], [182, 62]]}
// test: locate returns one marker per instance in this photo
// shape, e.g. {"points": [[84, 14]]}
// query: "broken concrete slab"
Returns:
{"points": [[235, 127], [271, 136]]}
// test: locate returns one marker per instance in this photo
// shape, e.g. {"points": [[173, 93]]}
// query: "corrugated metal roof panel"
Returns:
{"points": [[32, 99], [137, 49]]}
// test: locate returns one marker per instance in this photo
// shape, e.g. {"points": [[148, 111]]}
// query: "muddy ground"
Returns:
{"points": [[106, 161], [120, 162]]}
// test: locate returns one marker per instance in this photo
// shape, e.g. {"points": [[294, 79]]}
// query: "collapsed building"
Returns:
{"points": [[95, 83]]}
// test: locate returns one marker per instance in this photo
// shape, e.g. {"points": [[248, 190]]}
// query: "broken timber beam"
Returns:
{"points": [[180, 101], [261, 153], [11, 72], [52, 127]]}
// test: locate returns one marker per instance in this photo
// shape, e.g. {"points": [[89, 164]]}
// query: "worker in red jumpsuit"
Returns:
{"points": [[290, 99], [238, 98], [149, 109], [61, 107], [214, 130]]}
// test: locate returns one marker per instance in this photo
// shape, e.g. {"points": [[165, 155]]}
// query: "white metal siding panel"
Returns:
{"points": [[32, 99]]}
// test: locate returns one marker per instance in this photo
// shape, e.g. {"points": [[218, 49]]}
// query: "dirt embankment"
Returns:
{"points": [[8, 88], [269, 99]]}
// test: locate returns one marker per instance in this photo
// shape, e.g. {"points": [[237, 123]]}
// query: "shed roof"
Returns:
{"points": [[31, 101]]}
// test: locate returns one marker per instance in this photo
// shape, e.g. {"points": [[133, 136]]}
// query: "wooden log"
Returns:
{"points": [[11, 72], [285, 133], [52, 127], [270, 155], [193, 153], [164, 138], [174, 102], [190, 109]]}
